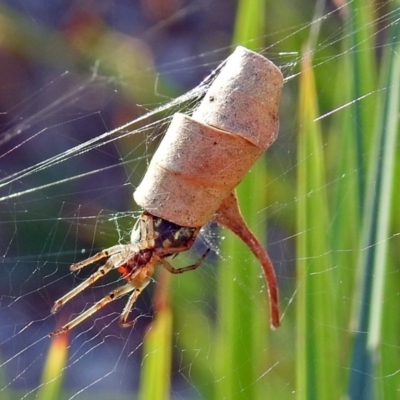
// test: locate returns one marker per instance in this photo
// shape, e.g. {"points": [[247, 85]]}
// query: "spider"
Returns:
{"points": [[152, 240]]}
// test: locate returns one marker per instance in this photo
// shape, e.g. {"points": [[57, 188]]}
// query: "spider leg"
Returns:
{"points": [[103, 270], [123, 321], [147, 232], [113, 295], [173, 270], [102, 254], [172, 251]]}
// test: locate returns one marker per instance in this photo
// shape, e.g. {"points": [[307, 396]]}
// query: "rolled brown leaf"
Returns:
{"points": [[244, 98], [201, 159]]}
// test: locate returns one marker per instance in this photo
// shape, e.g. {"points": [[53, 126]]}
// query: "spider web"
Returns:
{"points": [[75, 143]]}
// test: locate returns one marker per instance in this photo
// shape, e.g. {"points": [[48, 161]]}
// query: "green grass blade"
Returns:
{"points": [[376, 227], [53, 372], [243, 322], [242, 334], [363, 80], [388, 131], [344, 194], [317, 343], [157, 347], [193, 321], [250, 23]]}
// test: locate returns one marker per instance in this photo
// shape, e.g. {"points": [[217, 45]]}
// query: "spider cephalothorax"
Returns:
{"points": [[152, 240]]}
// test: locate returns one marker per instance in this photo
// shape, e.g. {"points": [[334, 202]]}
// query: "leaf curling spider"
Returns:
{"points": [[153, 239]]}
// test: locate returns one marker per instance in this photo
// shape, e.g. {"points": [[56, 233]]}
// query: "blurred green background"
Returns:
{"points": [[325, 199]]}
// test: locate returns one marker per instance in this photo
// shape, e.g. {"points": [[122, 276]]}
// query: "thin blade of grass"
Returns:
{"points": [[361, 27], [155, 380], [250, 23], [191, 293], [317, 343], [373, 258], [53, 371], [345, 223], [242, 307]]}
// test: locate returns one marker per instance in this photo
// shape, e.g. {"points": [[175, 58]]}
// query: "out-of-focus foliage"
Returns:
{"points": [[324, 194]]}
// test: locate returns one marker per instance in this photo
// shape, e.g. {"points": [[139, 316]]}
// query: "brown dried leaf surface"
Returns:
{"points": [[203, 158], [244, 98], [193, 171]]}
